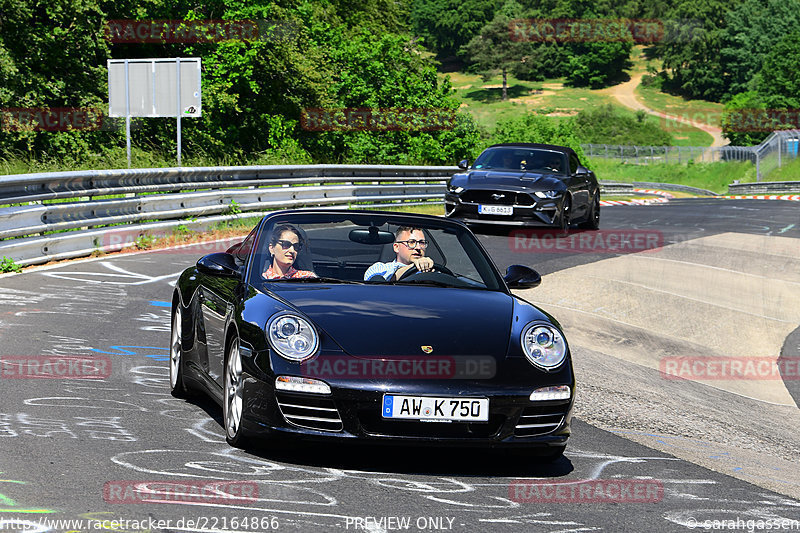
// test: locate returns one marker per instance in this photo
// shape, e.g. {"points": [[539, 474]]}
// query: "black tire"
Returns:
{"points": [[176, 361], [593, 220], [233, 397], [564, 218]]}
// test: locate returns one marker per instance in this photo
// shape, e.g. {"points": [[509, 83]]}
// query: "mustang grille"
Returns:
{"points": [[310, 412], [539, 420], [497, 198]]}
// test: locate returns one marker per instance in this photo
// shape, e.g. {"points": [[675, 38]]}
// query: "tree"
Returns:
{"points": [[596, 64], [744, 119], [494, 50], [752, 29], [691, 49], [779, 79], [447, 25]]}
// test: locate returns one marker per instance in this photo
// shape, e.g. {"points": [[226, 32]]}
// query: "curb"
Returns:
{"points": [[663, 197], [789, 197]]}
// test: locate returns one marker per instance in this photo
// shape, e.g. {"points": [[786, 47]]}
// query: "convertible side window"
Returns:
{"points": [[573, 163]]}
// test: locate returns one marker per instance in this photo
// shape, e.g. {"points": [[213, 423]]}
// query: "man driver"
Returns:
{"points": [[409, 245]]}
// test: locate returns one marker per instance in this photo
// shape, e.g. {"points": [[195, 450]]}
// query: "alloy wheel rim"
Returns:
{"points": [[596, 209], [233, 392], [175, 348]]}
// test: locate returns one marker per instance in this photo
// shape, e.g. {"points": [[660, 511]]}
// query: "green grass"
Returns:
{"points": [[116, 157], [711, 176], [788, 172], [483, 99], [695, 110]]}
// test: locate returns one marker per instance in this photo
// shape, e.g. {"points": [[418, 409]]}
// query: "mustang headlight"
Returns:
{"points": [[456, 190], [548, 194], [292, 336], [544, 345]]}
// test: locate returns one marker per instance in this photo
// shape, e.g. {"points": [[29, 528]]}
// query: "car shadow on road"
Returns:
{"points": [[420, 460]]}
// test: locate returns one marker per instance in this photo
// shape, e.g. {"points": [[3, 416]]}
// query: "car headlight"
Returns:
{"points": [[548, 194], [292, 336], [456, 190], [544, 345]]}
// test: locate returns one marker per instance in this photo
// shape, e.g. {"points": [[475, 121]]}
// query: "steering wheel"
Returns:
{"points": [[414, 270]]}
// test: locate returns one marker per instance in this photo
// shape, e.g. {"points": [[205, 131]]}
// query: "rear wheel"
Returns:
{"points": [[234, 396], [176, 383]]}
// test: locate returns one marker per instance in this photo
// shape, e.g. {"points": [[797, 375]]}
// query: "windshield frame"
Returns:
{"points": [[482, 262], [494, 152]]}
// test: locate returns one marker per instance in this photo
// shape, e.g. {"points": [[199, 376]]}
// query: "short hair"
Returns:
{"points": [[279, 230], [409, 229]]}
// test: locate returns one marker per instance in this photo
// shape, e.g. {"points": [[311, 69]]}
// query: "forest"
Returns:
{"points": [[268, 66]]}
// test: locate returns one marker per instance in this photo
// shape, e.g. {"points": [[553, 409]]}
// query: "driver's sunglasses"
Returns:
{"points": [[414, 243], [288, 244]]}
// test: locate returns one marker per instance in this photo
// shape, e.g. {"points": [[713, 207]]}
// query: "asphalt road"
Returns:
{"points": [[72, 448]]}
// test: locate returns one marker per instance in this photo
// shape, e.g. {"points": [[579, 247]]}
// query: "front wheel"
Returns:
{"points": [[593, 220], [234, 396], [565, 218], [176, 372]]}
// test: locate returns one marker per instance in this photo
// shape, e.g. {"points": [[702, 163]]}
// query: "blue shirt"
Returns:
{"points": [[386, 270]]}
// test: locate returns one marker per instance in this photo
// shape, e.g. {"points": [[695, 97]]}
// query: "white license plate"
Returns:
{"points": [[432, 408], [495, 209]]}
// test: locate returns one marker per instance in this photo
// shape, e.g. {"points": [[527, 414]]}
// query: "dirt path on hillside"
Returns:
{"points": [[625, 95]]}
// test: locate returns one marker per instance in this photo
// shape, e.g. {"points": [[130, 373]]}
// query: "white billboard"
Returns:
{"points": [[166, 87]]}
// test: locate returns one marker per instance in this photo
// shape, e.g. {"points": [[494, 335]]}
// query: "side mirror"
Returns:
{"points": [[218, 264], [582, 171], [463, 164], [522, 277]]}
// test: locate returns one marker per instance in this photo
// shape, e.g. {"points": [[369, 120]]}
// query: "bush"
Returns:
{"points": [[605, 125]]}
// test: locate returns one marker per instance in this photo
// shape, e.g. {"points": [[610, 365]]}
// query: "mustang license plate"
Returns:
{"points": [[495, 209], [436, 409]]}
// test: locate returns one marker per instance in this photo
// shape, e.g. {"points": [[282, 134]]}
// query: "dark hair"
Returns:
{"points": [[279, 230], [409, 229]]}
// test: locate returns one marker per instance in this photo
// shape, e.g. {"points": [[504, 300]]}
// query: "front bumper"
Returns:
{"points": [[354, 413], [542, 212]]}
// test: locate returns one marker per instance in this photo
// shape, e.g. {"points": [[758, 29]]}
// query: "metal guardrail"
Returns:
{"points": [[147, 201], [765, 187], [213, 194]]}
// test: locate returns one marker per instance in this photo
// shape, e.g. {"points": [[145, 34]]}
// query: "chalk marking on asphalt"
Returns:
{"points": [[787, 228]]}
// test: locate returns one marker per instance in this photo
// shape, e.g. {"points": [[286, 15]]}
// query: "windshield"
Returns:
{"points": [[520, 158], [339, 248]]}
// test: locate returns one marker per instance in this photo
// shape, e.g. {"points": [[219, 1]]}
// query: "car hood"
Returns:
{"points": [[398, 320], [513, 181]]}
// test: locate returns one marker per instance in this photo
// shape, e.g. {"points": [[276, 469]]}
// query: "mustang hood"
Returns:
{"points": [[513, 181], [398, 320]]}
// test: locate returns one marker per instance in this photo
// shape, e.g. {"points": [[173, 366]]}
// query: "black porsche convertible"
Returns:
{"points": [[285, 333], [524, 184]]}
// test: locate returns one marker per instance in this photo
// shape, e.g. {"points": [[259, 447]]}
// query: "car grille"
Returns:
{"points": [[539, 419], [374, 424], [309, 411], [485, 197]]}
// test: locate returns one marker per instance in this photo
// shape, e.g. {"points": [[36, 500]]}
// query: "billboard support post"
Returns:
{"points": [[178, 96], [128, 112]]}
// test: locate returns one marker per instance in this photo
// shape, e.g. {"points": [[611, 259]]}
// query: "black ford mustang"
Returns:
{"points": [[447, 356], [525, 185]]}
